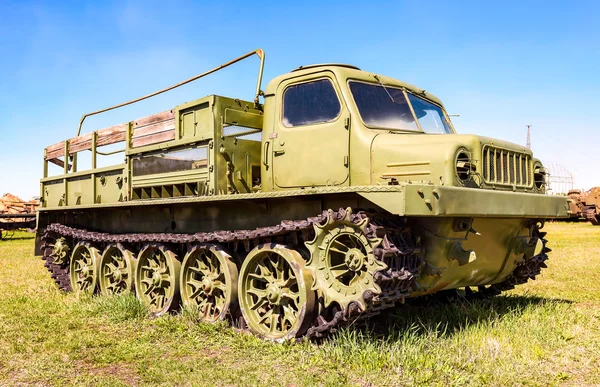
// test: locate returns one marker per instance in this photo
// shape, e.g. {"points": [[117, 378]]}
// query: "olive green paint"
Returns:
{"points": [[299, 171]]}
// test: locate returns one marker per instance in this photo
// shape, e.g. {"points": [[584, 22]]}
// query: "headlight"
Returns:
{"points": [[464, 166], [539, 176]]}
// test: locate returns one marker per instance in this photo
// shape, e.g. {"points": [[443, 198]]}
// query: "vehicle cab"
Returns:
{"points": [[336, 125]]}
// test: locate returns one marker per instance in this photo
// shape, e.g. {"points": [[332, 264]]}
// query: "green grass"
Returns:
{"points": [[546, 332]]}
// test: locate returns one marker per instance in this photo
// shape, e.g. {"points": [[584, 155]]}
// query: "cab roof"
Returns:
{"points": [[312, 66], [345, 72]]}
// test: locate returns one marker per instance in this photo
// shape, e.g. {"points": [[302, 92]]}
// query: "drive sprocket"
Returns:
{"points": [[342, 259]]}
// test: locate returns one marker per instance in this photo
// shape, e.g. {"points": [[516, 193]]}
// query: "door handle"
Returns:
{"points": [[266, 155], [279, 152]]}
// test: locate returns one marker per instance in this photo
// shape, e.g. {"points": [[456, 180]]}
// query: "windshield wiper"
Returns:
{"points": [[384, 88]]}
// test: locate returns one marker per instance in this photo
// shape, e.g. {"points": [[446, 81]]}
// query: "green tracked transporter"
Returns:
{"points": [[334, 195]]}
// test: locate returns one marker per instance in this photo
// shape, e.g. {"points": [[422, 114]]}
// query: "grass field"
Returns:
{"points": [[546, 332]]}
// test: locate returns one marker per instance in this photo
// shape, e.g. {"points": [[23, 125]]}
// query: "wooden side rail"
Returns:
{"points": [[149, 130], [153, 129]]}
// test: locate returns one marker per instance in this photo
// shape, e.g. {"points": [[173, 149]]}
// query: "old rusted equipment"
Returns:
{"points": [[576, 198], [590, 206], [338, 196], [585, 205], [15, 214]]}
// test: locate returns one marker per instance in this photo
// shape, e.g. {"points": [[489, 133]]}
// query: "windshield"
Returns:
{"points": [[430, 116], [387, 107]]}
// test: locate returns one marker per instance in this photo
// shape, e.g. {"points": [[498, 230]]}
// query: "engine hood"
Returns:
{"points": [[433, 158]]}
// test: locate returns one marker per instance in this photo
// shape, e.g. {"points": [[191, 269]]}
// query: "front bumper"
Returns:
{"points": [[431, 200]]}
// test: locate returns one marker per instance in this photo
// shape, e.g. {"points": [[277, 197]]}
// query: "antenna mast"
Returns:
{"points": [[528, 136]]}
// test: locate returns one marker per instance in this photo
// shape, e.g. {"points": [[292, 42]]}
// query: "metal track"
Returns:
{"points": [[397, 250], [58, 272]]}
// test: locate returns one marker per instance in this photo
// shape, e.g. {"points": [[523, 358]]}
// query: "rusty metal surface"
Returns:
{"points": [[590, 214], [591, 206], [585, 205], [13, 205], [15, 213]]}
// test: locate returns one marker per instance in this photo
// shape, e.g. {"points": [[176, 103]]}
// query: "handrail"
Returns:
{"points": [[259, 52]]}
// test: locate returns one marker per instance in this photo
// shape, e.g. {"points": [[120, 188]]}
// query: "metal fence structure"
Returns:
{"points": [[560, 181]]}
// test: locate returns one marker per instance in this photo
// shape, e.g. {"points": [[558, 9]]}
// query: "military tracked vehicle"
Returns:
{"points": [[332, 196]]}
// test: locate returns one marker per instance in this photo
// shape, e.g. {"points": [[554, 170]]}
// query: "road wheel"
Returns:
{"points": [[157, 279], [117, 270], [274, 291], [83, 269], [209, 281]]}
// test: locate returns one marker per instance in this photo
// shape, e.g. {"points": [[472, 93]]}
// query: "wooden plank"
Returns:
{"points": [[106, 136], [154, 118], [54, 154], [55, 150], [153, 128], [153, 138], [147, 126], [55, 147], [112, 135], [58, 162], [80, 143]]}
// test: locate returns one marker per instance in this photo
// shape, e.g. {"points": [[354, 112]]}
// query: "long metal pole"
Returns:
{"points": [[259, 52]]}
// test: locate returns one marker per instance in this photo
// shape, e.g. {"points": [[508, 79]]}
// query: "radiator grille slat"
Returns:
{"points": [[506, 167]]}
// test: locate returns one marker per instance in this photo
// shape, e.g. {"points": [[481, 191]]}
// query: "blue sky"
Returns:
{"points": [[499, 64]]}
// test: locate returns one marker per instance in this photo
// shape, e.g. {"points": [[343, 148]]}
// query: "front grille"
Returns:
{"points": [[506, 167]]}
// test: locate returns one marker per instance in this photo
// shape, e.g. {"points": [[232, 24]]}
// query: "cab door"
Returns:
{"points": [[310, 139]]}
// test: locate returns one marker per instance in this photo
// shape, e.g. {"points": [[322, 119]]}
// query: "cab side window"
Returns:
{"points": [[310, 103]]}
